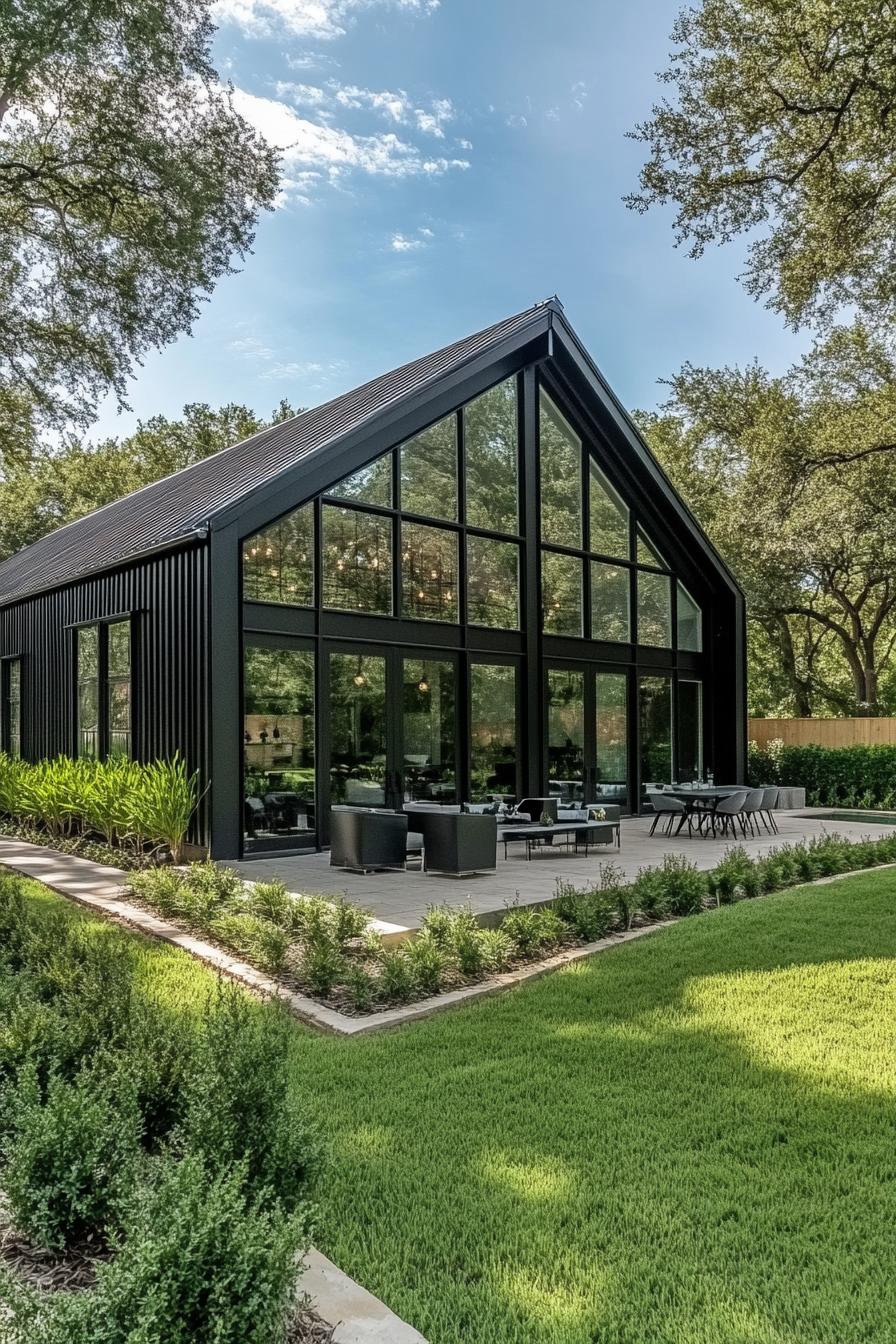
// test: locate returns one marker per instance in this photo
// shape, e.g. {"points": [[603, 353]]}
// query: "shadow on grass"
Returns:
{"points": [[690, 1140]]}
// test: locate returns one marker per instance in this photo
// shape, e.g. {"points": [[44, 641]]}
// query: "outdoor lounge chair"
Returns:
{"points": [[664, 805]]}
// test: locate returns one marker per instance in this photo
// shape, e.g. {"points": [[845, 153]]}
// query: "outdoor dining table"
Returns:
{"points": [[708, 796]]}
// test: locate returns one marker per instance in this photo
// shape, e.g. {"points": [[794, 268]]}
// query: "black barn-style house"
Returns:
{"points": [[467, 578]]}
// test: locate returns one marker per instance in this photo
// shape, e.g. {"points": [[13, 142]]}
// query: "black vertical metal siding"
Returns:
{"points": [[168, 597]]}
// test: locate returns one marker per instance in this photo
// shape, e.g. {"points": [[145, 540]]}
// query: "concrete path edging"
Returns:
{"points": [[358, 1316]]}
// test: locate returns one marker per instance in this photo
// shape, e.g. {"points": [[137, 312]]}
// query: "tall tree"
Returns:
{"points": [[128, 184], [783, 124], [44, 490], [794, 477]]}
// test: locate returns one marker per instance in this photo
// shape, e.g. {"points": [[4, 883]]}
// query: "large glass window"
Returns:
{"points": [[429, 726], [278, 748], [560, 476], [118, 688], [494, 733], [278, 563], [610, 602], [689, 620], [370, 485], [88, 660], [429, 471], [611, 738], [647, 553], [609, 516], [357, 561], [690, 731], [357, 719], [566, 733], [428, 572], [655, 725], [654, 609], [561, 593], [11, 719], [491, 459], [493, 582]]}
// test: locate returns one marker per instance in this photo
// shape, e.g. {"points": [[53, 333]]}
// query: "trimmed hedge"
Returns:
{"points": [[163, 1137], [832, 776]]}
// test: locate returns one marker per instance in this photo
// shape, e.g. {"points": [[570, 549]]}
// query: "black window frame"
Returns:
{"points": [[102, 625]]}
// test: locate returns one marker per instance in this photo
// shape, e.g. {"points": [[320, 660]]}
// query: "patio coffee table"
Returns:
{"points": [[575, 833]]}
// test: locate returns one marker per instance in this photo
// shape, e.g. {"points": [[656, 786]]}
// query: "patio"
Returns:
{"points": [[400, 899]]}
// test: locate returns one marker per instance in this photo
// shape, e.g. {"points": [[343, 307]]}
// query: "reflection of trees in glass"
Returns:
{"points": [[689, 621], [491, 459], [428, 572], [566, 725], [88, 690], [493, 582], [493, 729], [357, 561], [609, 516], [690, 730], [278, 741], [429, 471], [560, 476], [647, 552], [654, 609], [278, 563], [357, 718], [428, 705], [370, 485], [561, 593], [612, 727], [609, 602], [655, 719], [14, 706], [119, 688]]}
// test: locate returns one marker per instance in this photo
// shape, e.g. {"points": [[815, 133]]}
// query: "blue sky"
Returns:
{"points": [[446, 165]]}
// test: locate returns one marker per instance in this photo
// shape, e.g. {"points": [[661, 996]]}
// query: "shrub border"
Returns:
{"points": [[308, 1010]]}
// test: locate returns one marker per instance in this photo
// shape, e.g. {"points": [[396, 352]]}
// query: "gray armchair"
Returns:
{"points": [[367, 838], [457, 842]]}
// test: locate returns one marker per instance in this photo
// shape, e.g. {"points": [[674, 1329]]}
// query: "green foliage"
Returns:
{"points": [[199, 1262], [531, 931], [322, 965], [863, 777], [771, 128], [361, 987], [427, 963], [732, 876], [109, 242], [592, 913], [125, 803], [70, 1155], [497, 949], [396, 975]]}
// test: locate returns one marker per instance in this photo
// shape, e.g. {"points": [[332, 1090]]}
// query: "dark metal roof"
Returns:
{"points": [[183, 504]]}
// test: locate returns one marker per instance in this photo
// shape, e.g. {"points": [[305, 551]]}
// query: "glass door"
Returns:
{"points": [[587, 735], [655, 731], [565, 718], [391, 728], [278, 748]]}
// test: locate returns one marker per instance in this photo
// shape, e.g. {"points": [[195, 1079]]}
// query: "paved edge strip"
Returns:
{"points": [[359, 1317]]}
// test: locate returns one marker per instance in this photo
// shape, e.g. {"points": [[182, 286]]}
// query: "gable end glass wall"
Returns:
{"points": [[388, 622]]}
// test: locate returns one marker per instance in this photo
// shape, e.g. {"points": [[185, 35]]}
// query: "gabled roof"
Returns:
{"points": [[181, 505]]}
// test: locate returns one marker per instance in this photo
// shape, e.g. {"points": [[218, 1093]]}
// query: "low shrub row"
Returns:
{"points": [[168, 1148], [832, 776], [121, 804], [330, 951]]}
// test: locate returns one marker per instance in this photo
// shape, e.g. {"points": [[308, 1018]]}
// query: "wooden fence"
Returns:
{"points": [[824, 732]]}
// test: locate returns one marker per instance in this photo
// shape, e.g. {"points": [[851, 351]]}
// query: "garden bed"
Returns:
{"points": [[327, 952]]}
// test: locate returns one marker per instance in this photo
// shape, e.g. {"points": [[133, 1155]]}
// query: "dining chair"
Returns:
{"points": [[753, 808], [769, 803], [729, 811], [664, 805]]}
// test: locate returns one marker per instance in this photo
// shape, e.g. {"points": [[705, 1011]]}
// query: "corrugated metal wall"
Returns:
{"points": [[168, 596]]}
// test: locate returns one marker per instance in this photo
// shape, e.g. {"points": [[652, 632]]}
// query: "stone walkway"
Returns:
{"points": [[400, 900]]}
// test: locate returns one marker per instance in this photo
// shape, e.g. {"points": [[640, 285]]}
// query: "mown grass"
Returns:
{"points": [[689, 1140]]}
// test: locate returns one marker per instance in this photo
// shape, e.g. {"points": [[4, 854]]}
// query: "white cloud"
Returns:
{"points": [[401, 243], [312, 151], [394, 106], [516, 121], [465, 144], [320, 19], [579, 92]]}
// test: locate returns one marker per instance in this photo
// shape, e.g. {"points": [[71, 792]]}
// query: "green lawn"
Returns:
{"points": [[689, 1139]]}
